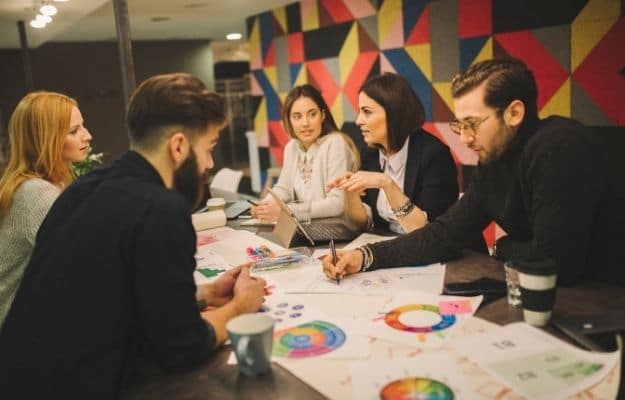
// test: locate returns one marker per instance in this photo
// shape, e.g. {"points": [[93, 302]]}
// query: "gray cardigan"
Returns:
{"points": [[18, 229]]}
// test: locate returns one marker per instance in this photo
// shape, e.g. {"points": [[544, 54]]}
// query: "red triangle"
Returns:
{"points": [[324, 17], [601, 73], [547, 71], [357, 76], [364, 41], [324, 81], [336, 10], [421, 30]]}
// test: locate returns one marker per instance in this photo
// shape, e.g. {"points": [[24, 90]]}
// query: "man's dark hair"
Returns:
{"points": [[312, 93], [404, 110], [507, 79], [172, 100]]}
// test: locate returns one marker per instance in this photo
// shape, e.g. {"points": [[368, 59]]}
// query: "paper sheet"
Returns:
{"points": [[535, 363], [232, 244], [257, 222], [420, 319], [427, 279], [208, 220], [208, 267], [425, 376]]}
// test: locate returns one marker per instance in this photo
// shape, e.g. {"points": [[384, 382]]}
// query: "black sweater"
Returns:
{"points": [[554, 195], [112, 269]]}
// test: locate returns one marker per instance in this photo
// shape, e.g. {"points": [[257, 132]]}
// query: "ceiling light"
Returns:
{"points": [[43, 18], [234, 36], [61, 1], [48, 9], [37, 24]]}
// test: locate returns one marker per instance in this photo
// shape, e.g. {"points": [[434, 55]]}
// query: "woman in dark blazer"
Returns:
{"points": [[408, 176]]}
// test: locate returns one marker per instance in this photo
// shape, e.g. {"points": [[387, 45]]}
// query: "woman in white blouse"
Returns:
{"points": [[316, 155]]}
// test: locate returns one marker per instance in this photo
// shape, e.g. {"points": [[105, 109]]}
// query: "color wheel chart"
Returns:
{"points": [[417, 389], [394, 319], [308, 340]]}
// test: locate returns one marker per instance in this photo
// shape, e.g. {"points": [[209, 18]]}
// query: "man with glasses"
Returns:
{"points": [[545, 182]]}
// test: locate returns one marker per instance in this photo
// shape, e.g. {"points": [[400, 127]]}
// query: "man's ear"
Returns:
{"points": [[178, 147], [514, 113]]}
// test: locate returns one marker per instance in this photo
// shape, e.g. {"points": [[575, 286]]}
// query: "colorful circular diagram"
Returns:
{"points": [[416, 389], [392, 318], [308, 340]]}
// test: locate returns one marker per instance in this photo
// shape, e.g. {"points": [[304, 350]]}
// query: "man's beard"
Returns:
{"points": [[189, 182]]}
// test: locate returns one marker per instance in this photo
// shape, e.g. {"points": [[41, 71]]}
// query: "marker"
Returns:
{"points": [[333, 249]]}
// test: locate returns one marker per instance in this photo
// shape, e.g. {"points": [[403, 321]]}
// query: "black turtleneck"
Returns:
{"points": [[553, 194]]}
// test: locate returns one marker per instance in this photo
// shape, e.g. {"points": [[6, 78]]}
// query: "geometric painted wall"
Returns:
{"points": [[574, 47]]}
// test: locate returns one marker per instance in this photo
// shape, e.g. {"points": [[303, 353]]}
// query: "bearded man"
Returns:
{"points": [[112, 269]]}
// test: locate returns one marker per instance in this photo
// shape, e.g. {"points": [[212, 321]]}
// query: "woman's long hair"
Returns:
{"points": [[37, 132]]}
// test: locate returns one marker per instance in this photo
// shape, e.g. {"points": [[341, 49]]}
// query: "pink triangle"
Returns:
{"points": [[385, 65], [395, 36], [255, 87]]}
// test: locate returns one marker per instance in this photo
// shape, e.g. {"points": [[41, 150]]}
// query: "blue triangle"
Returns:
{"points": [[273, 102], [294, 71], [406, 67], [469, 49], [411, 11]]}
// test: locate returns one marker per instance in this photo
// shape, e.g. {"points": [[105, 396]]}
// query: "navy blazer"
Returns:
{"points": [[430, 182]]}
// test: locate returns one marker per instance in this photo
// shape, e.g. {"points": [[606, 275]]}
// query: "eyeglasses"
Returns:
{"points": [[470, 126]]}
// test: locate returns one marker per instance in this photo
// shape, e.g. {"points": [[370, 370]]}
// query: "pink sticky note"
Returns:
{"points": [[455, 307]]}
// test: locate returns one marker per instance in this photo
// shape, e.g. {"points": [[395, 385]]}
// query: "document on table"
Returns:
{"points": [[232, 244], [428, 279], [536, 364], [421, 320], [425, 376]]}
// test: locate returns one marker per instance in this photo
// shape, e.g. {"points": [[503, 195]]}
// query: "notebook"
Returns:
{"points": [[291, 232]]}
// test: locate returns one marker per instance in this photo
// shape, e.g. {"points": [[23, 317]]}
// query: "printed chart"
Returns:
{"points": [[535, 363], [420, 319], [308, 340], [431, 376]]}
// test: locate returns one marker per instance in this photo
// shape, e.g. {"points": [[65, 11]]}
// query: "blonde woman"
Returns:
{"points": [[316, 155], [46, 135]]}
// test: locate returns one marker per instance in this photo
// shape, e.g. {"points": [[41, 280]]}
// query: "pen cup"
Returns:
{"points": [[251, 336]]}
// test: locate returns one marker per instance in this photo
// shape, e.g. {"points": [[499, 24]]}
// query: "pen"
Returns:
{"points": [[255, 204], [333, 249]]}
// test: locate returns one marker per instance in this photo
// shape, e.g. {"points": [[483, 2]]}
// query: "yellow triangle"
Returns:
{"points": [[254, 46], [444, 91], [260, 119], [302, 76], [420, 54], [311, 20], [590, 26], [272, 77], [348, 53], [387, 17], [280, 16], [559, 103], [337, 110], [486, 53]]}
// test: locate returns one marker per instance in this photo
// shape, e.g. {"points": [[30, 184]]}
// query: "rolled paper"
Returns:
{"points": [[208, 220]]}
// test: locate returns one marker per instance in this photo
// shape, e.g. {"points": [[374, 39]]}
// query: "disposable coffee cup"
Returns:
{"points": [[512, 284], [215, 203], [251, 336], [537, 280]]}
